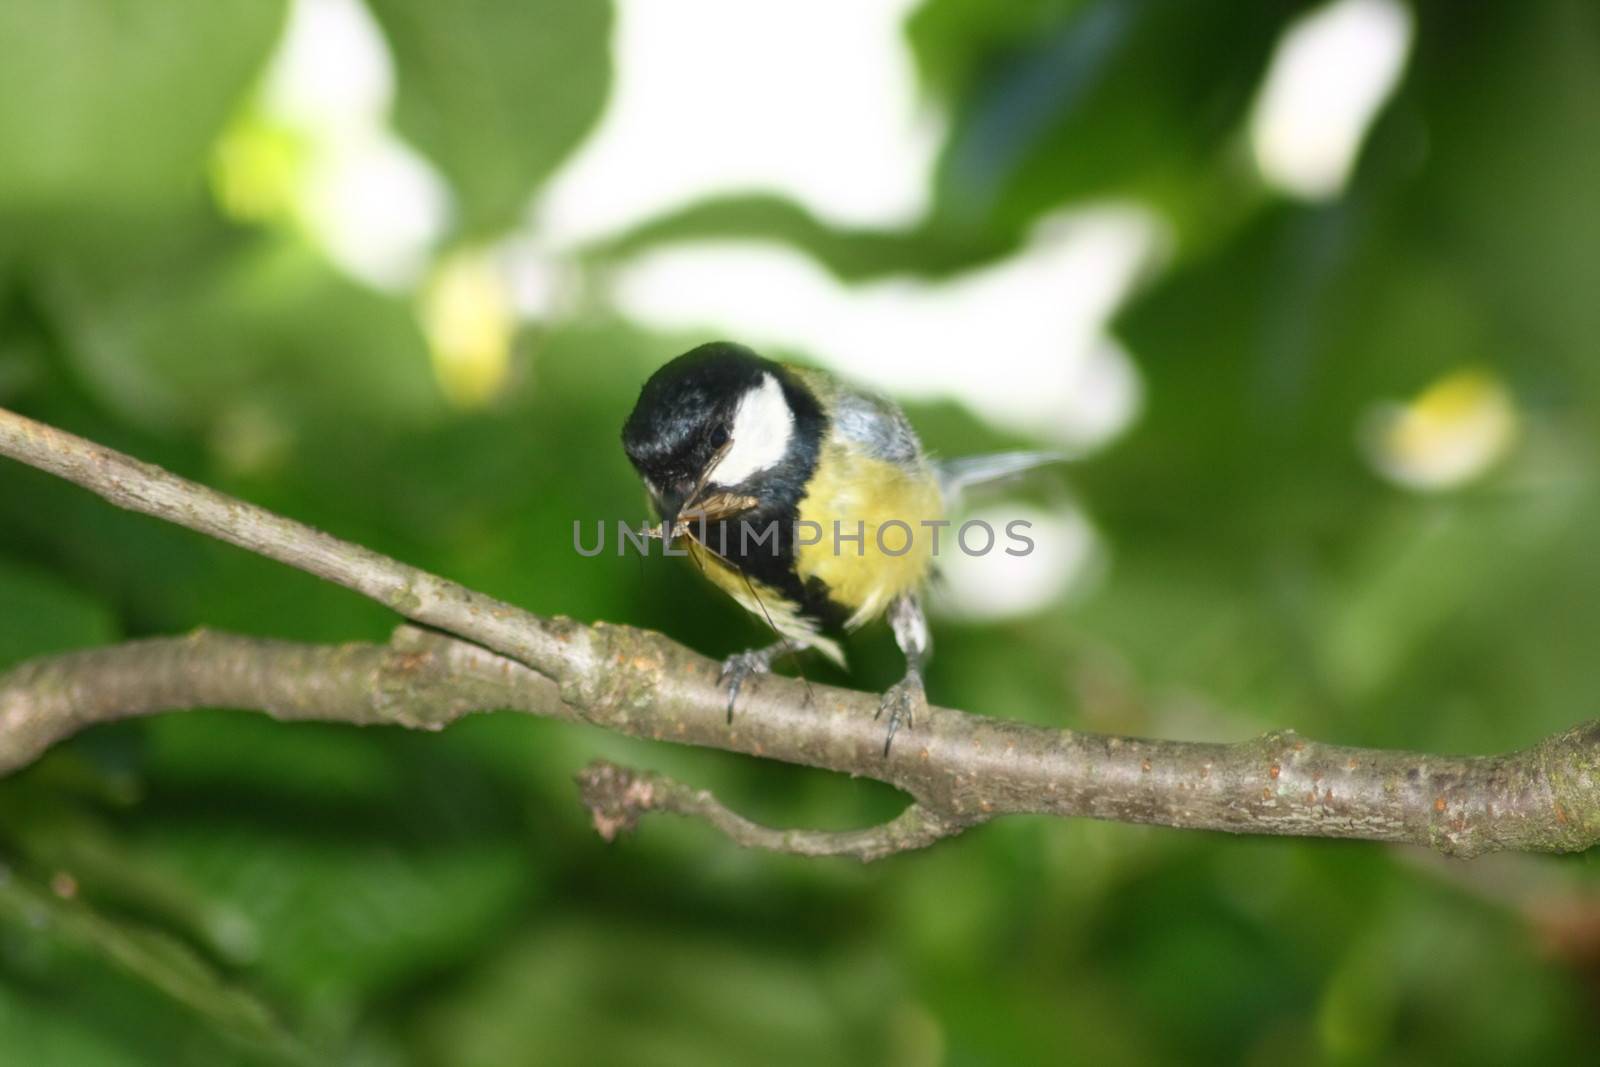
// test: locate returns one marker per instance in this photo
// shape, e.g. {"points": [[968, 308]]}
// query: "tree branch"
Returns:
{"points": [[959, 768]]}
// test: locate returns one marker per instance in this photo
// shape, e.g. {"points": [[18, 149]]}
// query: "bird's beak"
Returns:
{"points": [[670, 502]]}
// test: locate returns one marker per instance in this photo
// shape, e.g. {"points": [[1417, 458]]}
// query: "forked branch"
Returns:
{"points": [[959, 768]]}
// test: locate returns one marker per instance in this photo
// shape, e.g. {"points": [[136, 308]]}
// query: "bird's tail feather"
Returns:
{"points": [[958, 475]]}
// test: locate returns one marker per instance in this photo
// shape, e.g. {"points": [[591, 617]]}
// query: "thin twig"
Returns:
{"points": [[617, 796], [545, 644]]}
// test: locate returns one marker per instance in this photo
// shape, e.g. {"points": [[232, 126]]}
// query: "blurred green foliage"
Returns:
{"points": [[217, 888], [112, 105]]}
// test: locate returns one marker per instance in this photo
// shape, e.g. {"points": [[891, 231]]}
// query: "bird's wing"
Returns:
{"points": [[958, 475], [877, 426], [870, 422]]}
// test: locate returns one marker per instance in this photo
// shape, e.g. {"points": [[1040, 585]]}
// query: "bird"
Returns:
{"points": [[812, 503]]}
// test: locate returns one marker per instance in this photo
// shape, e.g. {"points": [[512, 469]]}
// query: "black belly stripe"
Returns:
{"points": [[772, 562]]}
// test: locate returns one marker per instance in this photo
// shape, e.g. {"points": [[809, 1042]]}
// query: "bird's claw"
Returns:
{"points": [[904, 701], [738, 668]]}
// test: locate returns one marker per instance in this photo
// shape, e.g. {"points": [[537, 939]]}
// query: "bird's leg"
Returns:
{"points": [[906, 698], [741, 665]]}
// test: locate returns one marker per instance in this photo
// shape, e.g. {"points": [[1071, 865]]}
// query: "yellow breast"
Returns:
{"points": [[887, 504]]}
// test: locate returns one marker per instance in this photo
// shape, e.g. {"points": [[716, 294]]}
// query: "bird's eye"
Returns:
{"points": [[719, 437]]}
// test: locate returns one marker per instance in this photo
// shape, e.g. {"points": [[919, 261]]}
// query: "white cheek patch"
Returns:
{"points": [[762, 428]]}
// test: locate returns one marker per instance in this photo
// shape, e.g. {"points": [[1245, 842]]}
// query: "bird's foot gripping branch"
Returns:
{"points": [[478, 653]]}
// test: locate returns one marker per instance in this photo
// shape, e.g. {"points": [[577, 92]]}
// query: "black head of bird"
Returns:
{"points": [[722, 420]]}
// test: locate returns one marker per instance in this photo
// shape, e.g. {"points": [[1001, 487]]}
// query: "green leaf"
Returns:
{"points": [[497, 92], [1102, 99], [113, 104], [851, 254]]}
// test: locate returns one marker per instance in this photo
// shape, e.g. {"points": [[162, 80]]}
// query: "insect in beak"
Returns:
{"points": [[714, 507]]}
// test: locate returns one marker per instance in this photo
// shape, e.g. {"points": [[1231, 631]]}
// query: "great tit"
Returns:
{"points": [[812, 504]]}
